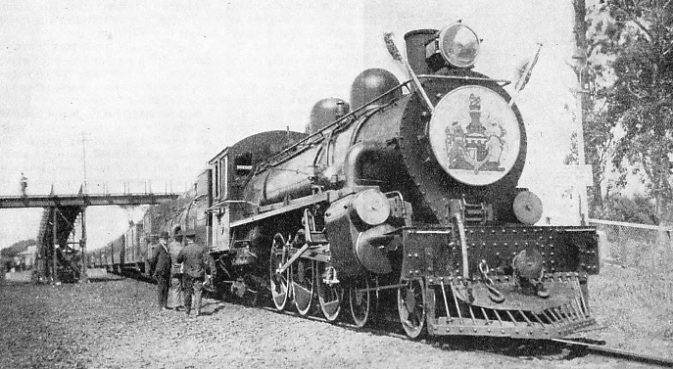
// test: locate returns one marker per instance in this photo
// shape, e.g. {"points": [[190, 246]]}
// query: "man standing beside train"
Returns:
{"points": [[160, 267], [196, 259], [175, 291]]}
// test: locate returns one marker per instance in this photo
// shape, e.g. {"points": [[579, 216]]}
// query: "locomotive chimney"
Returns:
{"points": [[416, 41]]}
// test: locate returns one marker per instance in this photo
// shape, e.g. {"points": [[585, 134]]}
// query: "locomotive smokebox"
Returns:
{"points": [[371, 84], [416, 42], [325, 112]]}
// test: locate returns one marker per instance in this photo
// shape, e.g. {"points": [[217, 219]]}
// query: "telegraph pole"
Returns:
{"points": [[83, 275], [84, 163], [580, 57]]}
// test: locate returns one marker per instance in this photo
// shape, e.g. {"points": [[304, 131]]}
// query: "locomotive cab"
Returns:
{"points": [[231, 170]]}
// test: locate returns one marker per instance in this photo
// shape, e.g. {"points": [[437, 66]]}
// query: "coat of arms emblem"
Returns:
{"points": [[478, 147], [478, 135]]}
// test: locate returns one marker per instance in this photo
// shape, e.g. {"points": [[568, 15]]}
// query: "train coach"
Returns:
{"points": [[401, 204], [134, 258], [126, 252], [130, 251]]}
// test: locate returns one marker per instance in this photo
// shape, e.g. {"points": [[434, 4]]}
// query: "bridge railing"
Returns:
{"points": [[134, 187], [114, 187]]}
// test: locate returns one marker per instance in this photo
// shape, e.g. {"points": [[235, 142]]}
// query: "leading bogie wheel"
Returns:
{"points": [[280, 282], [411, 306], [329, 295], [359, 298]]}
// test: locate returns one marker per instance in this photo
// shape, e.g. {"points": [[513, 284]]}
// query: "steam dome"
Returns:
{"points": [[371, 84], [325, 112]]}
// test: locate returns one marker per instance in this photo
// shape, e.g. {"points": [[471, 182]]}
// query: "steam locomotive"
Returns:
{"points": [[401, 205]]}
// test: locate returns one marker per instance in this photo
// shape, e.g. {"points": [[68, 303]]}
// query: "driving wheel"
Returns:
{"points": [[280, 282]]}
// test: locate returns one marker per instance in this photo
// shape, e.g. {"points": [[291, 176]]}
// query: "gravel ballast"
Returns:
{"points": [[115, 323]]}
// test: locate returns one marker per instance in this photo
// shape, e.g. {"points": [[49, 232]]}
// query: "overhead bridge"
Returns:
{"points": [[63, 228], [46, 201]]}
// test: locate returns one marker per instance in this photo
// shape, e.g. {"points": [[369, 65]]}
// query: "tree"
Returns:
{"points": [[17, 247], [638, 37], [590, 65], [638, 209]]}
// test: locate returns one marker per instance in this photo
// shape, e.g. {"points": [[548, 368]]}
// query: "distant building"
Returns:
{"points": [[26, 259]]}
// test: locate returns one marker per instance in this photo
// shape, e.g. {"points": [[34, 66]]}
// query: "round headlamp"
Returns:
{"points": [[371, 206], [459, 45]]}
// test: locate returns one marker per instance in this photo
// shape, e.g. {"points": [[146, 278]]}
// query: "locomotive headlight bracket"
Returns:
{"points": [[457, 45], [371, 207]]}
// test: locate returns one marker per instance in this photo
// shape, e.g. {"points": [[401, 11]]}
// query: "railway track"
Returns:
{"points": [[579, 346], [598, 348]]}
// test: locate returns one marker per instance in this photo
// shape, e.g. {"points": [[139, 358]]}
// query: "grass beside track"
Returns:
{"points": [[636, 308]]}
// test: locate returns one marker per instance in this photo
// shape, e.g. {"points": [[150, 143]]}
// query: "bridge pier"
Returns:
{"points": [[54, 274], [83, 277]]}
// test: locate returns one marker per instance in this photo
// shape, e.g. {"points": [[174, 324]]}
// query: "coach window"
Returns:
{"points": [[224, 176], [243, 164], [216, 182]]}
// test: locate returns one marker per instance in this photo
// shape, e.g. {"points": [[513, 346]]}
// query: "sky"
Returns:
{"points": [[129, 93]]}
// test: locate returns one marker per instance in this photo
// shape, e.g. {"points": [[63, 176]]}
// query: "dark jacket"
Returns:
{"points": [[196, 259], [174, 249], [160, 262]]}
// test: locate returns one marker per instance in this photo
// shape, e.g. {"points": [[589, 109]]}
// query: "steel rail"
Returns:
{"points": [[607, 351], [595, 349], [592, 348]]}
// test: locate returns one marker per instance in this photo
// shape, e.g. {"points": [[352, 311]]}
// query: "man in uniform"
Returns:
{"points": [[160, 267], [152, 243], [196, 259], [23, 182], [175, 291]]}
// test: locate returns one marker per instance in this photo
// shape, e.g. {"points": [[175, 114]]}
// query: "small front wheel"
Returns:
{"points": [[329, 295], [359, 298], [411, 306]]}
